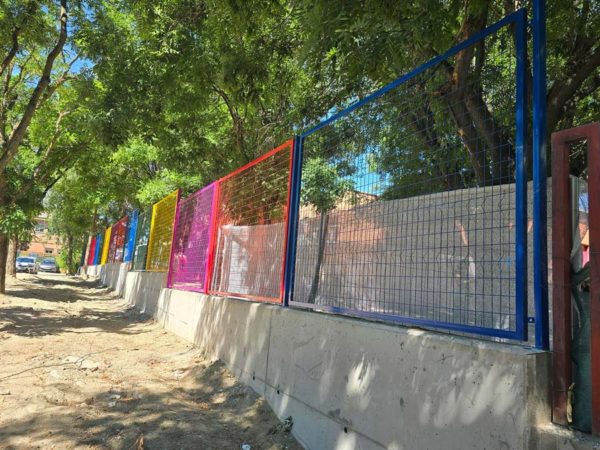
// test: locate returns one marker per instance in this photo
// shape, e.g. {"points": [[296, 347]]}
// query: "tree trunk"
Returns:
{"points": [[3, 257], [314, 287], [3, 241], [70, 255], [84, 254], [13, 249]]}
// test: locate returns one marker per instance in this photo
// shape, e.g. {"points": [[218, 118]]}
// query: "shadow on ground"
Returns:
{"points": [[29, 322], [200, 413], [143, 384], [37, 320], [58, 289]]}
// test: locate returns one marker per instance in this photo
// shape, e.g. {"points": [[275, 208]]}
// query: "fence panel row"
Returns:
{"points": [[409, 206]]}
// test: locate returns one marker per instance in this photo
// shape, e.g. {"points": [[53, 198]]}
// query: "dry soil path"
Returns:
{"points": [[79, 369]]}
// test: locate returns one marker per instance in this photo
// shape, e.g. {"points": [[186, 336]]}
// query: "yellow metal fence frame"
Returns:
{"points": [[161, 233], [105, 245]]}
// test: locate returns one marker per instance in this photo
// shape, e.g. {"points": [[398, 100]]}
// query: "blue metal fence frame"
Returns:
{"points": [[293, 219], [98, 252], [519, 20], [131, 231], [540, 230]]}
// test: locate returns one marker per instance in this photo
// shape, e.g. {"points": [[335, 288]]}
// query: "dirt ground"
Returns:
{"points": [[78, 369]]}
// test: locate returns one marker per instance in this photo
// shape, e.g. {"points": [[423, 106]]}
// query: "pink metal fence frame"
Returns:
{"points": [[207, 258]]}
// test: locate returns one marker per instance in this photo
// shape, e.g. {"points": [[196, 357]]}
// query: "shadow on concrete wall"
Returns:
{"points": [[350, 383], [353, 383], [403, 388]]}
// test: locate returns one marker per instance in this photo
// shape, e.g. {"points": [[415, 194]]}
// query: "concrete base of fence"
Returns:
{"points": [[350, 383], [554, 437]]}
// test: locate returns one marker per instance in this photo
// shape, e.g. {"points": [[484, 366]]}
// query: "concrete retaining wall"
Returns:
{"points": [[349, 383]]}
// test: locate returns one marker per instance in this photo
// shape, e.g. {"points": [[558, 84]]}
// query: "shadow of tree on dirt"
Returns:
{"points": [[56, 295], [38, 320], [200, 411], [29, 322], [150, 386], [60, 289], [68, 281]]}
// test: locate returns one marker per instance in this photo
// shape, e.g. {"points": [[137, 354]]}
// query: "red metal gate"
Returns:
{"points": [[561, 263]]}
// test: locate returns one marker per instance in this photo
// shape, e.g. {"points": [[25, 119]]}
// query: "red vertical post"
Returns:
{"points": [[593, 142], [561, 279], [561, 267]]}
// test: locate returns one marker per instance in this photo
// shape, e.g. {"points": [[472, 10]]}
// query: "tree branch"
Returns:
{"points": [[6, 62], [18, 133], [6, 97], [564, 89], [64, 77], [238, 126], [52, 143]]}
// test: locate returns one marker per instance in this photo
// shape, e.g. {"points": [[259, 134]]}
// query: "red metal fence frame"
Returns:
{"points": [[215, 226], [561, 267], [117, 240], [91, 251]]}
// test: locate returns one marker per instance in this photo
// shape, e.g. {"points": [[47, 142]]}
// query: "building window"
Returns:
{"points": [[48, 251], [41, 227]]}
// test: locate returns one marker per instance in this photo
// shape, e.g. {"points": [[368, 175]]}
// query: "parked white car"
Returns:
{"points": [[26, 264]]}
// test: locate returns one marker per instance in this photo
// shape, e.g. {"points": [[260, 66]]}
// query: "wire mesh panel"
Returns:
{"points": [[91, 252], [412, 201], [105, 246], [161, 233], [98, 249], [191, 238], [117, 240], [251, 228], [141, 240], [130, 236]]}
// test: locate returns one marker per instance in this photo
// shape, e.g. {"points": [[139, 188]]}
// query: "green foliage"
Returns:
{"points": [[177, 93], [69, 206], [70, 261], [323, 185], [15, 222]]}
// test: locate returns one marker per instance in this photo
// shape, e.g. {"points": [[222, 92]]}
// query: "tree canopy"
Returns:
{"points": [[112, 105]]}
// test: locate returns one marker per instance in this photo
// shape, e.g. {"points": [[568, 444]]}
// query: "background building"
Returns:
{"points": [[43, 244]]}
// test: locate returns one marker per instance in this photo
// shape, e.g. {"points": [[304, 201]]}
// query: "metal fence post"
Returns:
{"points": [[521, 179], [210, 259], [292, 232], [540, 231], [175, 223], [562, 271]]}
